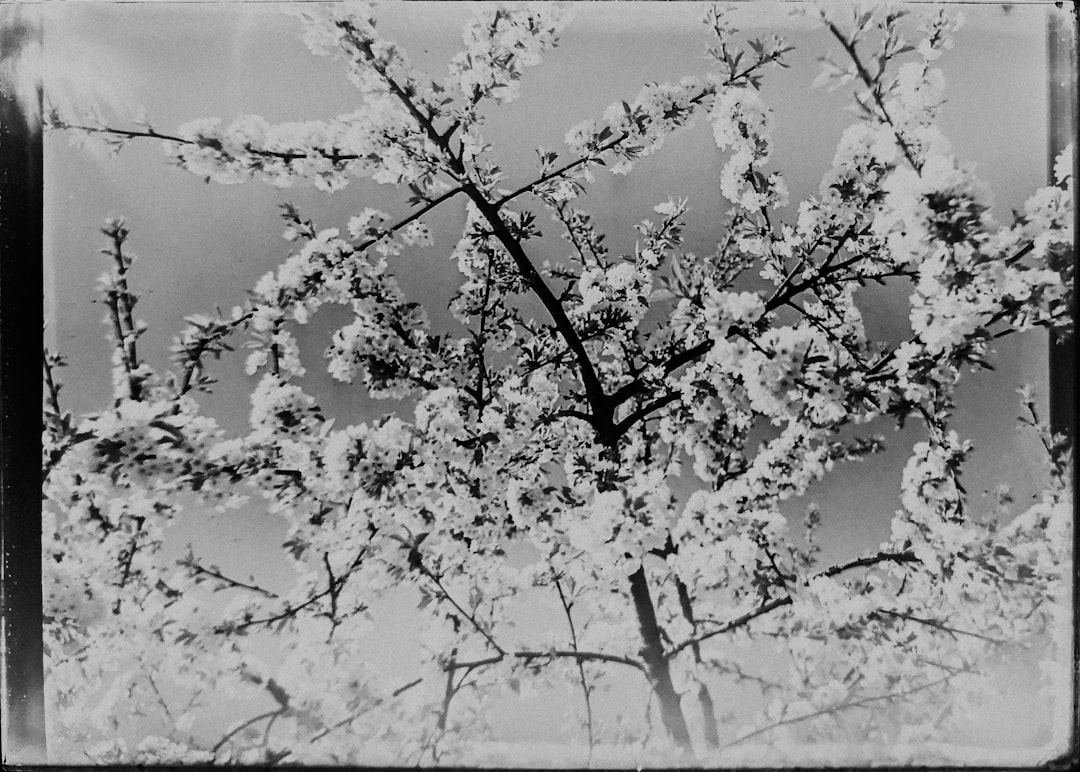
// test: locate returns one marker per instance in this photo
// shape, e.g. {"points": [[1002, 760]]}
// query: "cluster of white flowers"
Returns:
{"points": [[742, 123], [941, 203], [822, 600], [529, 462], [325, 153], [939, 28], [930, 489], [347, 31], [500, 42], [849, 191], [387, 339], [632, 130], [970, 274]]}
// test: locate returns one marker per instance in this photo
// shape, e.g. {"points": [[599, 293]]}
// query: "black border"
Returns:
{"points": [[21, 226]]}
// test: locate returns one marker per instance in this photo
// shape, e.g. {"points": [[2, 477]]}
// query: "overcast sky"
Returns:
{"points": [[200, 246]]}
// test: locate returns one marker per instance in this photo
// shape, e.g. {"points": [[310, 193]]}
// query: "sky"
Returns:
{"points": [[200, 246]]}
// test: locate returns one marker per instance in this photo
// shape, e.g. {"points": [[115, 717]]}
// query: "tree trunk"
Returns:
{"points": [[708, 710], [652, 651]]}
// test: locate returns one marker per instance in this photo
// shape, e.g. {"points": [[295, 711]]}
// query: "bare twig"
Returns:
{"points": [[349, 719], [333, 588], [125, 300], [528, 655], [585, 688], [411, 218], [836, 708], [191, 563], [52, 388], [937, 624], [470, 617], [241, 727], [291, 611], [875, 91]]}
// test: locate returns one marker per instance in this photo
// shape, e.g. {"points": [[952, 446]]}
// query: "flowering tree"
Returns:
{"points": [[568, 434]]}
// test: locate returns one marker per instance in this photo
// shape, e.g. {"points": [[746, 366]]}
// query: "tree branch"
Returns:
{"points": [[333, 588], [585, 689], [432, 204], [52, 388], [765, 608], [149, 133], [348, 720], [953, 631], [241, 727], [419, 564], [564, 169], [490, 210], [645, 410], [584, 656], [124, 299], [448, 695], [190, 563], [875, 91], [784, 293], [619, 139], [598, 400], [292, 611], [657, 663], [742, 675], [836, 708]]}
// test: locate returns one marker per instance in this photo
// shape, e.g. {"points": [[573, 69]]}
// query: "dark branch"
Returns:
{"points": [[765, 608], [528, 655], [271, 714], [645, 411], [875, 90], [229, 581]]}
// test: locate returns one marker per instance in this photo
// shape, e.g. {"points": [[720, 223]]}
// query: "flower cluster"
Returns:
{"points": [[527, 488], [632, 130], [500, 42], [742, 123]]}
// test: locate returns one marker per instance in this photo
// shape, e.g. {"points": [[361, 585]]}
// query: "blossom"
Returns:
{"points": [[500, 42], [592, 465]]}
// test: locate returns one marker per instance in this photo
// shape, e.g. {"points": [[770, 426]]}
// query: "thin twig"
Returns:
{"points": [[241, 727], [619, 139], [875, 91], [953, 631], [333, 588], [125, 300], [585, 656], [52, 389], [585, 689], [835, 709], [228, 580], [765, 608], [292, 611], [334, 155], [472, 619]]}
